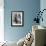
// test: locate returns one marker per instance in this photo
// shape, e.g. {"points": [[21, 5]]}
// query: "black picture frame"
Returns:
{"points": [[17, 18]]}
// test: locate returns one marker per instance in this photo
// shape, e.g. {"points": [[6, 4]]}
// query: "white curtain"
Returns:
{"points": [[1, 20]]}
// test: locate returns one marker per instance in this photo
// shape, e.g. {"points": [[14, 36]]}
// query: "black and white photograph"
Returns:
{"points": [[17, 18]]}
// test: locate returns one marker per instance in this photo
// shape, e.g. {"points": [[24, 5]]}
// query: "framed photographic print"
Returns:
{"points": [[17, 18]]}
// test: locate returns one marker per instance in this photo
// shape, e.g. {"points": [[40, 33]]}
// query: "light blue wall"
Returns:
{"points": [[30, 7], [43, 6]]}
